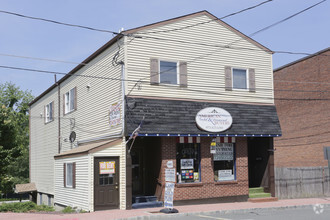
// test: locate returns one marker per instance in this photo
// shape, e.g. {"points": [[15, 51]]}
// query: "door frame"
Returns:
{"points": [[117, 168]]}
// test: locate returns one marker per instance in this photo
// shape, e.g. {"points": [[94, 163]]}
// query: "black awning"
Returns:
{"points": [[177, 118]]}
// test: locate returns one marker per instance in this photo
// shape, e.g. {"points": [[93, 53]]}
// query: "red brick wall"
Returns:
{"points": [[305, 124], [208, 188]]}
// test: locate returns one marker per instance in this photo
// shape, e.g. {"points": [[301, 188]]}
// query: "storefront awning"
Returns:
{"points": [[177, 118]]}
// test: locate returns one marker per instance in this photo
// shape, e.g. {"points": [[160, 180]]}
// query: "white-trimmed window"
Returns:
{"points": [[168, 72], [70, 100], [240, 78], [69, 175], [49, 112]]}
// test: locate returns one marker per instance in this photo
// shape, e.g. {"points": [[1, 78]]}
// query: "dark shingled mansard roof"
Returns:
{"points": [[178, 117]]}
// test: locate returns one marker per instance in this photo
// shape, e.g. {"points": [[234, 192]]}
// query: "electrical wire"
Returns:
{"points": [[206, 22], [147, 82]]}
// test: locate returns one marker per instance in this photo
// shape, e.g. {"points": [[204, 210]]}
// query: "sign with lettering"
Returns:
{"points": [[114, 115], [168, 196], [224, 151], [170, 175], [107, 167], [213, 119], [187, 164], [225, 175]]}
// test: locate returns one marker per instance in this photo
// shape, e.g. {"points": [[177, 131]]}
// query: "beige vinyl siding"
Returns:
{"points": [[206, 80], [91, 119], [43, 143], [114, 151], [78, 196]]}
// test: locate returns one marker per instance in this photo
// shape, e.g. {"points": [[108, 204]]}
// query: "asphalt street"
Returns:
{"points": [[317, 212]]}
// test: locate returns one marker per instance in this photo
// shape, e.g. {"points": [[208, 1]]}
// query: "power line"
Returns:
{"points": [[287, 18], [60, 23], [147, 82], [206, 22]]}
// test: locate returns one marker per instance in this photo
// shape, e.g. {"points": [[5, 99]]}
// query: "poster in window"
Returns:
{"points": [[225, 175], [224, 151], [107, 167], [187, 164], [114, 115], [187, 174]]}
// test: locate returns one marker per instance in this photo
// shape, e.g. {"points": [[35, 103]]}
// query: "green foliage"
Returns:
{"points": [[14, 136], [68, 209], [24, 207]]}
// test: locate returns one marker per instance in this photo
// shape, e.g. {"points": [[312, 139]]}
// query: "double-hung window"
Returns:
{"points": [[240, 79], [69, 175], [49, 112], [168, 72], [70, 100]]}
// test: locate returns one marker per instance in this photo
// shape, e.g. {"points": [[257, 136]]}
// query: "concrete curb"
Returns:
{"points": [[151, 216]]}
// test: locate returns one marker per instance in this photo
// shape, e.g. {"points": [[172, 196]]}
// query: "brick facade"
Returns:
{"points": [[305, 123], [208, 188]]}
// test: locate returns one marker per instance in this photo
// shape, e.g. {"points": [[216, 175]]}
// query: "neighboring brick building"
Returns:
{"points": [[305, 122]]}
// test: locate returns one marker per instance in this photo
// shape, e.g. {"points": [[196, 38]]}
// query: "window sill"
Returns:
{"points": [[47, 122], [66, 113], [226, 182], [180, 185]]}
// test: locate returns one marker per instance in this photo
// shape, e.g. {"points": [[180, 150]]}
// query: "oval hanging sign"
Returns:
{"points": [[213, 119]]}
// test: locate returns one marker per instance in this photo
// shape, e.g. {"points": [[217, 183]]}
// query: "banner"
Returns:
{"points": [[224, 151], [114, 115]]}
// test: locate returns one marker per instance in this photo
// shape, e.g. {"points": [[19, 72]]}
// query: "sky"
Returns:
{"points": [[308, 32]]}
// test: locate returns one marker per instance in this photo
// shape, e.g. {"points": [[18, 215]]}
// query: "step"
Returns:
{"points": [[143, 205], [143, 199], [266, 199], [259, 195], [256, 190]]}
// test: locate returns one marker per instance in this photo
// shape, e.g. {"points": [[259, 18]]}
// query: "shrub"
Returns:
{"points": [[24, 207]]}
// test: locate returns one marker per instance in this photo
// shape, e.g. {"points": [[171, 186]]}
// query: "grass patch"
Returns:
{"points": [[25, 207]]}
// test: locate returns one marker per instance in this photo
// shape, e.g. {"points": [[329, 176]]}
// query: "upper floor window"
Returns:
{"points": [[243, 79], [70, 100], [240, 79], [49, 112], [168, 72]]}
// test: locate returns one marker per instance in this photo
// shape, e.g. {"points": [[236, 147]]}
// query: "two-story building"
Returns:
{"points": [[191, 93]]}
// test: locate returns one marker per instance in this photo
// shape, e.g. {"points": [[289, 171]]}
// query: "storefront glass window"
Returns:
{"points": [[188, 163], [224, 162]]}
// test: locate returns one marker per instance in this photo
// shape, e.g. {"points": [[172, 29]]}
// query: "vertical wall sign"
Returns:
{"points": [[114, 114]]}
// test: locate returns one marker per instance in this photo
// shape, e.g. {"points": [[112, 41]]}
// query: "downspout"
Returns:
{"points": [[59, 115]]}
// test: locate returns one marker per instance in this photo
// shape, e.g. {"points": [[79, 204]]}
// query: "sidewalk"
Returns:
{"points": [[153, 213]]}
